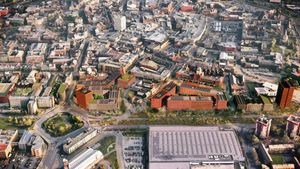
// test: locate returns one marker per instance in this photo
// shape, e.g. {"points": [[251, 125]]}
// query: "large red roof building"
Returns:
{"points": [[189, 103], [161, 96]]}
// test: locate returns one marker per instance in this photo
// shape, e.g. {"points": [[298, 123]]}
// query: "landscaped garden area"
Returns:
{"points": [[16, 122], [107, 144], [112, 158], [62, 124], [197, 118], [108, 149]]}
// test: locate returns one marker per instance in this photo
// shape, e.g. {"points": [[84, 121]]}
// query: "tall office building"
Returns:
{"points": [[284, 94], [263, 126], [292, 126], [119, 23]]}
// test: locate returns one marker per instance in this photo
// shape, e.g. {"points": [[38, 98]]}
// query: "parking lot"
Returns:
{"points": [[134, 152]]}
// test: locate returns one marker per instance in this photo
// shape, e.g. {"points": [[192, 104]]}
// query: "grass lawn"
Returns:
{"points": [[251, 85], [23, 91], [55, 88], [135, 134], [126, 77], [265, 99], [193, 118], [62, 88], [112, 158], [61, 124], [278, 158], [107, 144], [139, 115]]}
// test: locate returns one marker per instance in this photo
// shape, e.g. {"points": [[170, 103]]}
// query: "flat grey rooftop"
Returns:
{"points": [[193, 144]]}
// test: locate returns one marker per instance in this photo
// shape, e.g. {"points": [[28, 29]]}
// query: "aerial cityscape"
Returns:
{"points": [[149, 84]]}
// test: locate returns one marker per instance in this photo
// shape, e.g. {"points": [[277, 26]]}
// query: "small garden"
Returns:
{"points": [[107, 144], [62, 124]]}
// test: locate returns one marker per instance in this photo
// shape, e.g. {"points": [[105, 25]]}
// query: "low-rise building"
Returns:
{"points": [[267, 105], [189, 88], [221, 102], [267, 158], [106, 104], [36, 53], [45, 102], [243, 102], [7, 137], [18, 101], [74, 143], [189, 103], [6, 90], [162, 95], [24, 140], [38, 148], [126, 80]]}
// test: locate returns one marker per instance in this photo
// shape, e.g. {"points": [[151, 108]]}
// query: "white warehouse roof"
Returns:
{"points": [[86, 159], [179, 146]]}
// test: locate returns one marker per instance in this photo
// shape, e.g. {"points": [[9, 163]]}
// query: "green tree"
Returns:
{"points": [[61, 129], [10, 119], [98, 96], [16, 120], [28, 122], [77, 118]]}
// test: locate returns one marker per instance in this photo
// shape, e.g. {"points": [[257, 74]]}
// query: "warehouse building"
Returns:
{"points": [[185, 147], [87, 159]]}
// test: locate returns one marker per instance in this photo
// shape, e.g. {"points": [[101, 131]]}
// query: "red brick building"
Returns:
{"points": [[126, 80], [189, 88], [158, 100], [84, 97], [284, 94], [189, 103], [103, 80], [221, 102]]}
